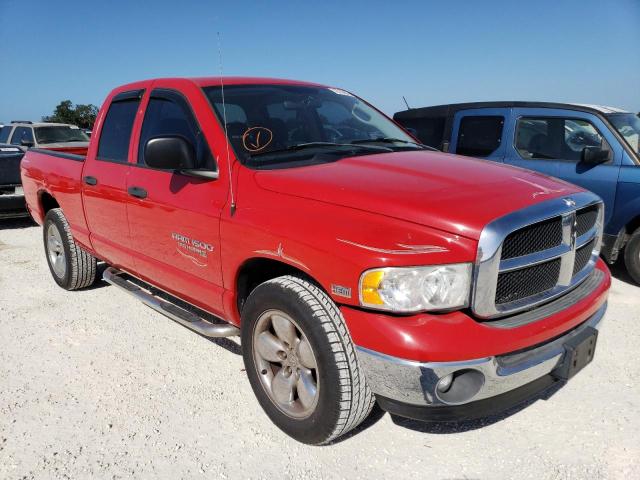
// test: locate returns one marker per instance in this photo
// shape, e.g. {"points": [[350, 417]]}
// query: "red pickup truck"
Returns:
{"points": [[356, 264]]}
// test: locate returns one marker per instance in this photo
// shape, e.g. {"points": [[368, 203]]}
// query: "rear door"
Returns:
{"points": [[480, 133], [551, 141], [174, 218], [104, 182]]}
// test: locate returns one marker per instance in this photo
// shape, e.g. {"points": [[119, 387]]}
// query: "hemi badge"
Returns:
{"points": [[340, 291]]}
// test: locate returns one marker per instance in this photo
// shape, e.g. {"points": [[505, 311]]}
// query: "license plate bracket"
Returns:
{"points": [[579, 352]]}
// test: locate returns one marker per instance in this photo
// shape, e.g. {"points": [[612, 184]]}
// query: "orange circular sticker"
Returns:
{"points": [[257, 138]]}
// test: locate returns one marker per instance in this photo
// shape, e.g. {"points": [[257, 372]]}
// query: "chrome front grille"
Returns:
{"points": [[533, 255], [534, 238], [526, 282]]}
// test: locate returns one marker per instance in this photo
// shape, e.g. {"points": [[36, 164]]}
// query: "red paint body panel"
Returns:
{"points": [[59, 178], [427, 188], [330, 221]]}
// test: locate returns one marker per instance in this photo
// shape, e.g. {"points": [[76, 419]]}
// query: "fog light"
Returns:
{"points": [[460, 386], [445, 383]]}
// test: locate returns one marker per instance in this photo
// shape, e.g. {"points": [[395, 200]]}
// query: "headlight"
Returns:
{"points": [[412, 289]]}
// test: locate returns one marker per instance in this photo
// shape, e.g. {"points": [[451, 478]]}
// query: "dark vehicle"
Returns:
{"points": [[11, 195], [588, 145]]}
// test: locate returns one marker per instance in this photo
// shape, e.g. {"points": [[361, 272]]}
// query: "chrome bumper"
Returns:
{"points": [[415, 383]]}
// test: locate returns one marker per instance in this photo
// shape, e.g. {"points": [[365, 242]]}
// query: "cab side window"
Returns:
{"points": [[556, 138], [479, 136], [4, 133], [168, 114], [21, 134], [116, 130]]}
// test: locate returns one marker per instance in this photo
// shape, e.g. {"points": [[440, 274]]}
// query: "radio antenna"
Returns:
{"points": [[405, 102], [226, 133]]}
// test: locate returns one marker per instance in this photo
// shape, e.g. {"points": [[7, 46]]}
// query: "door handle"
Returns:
{"points": [[137, 192], [91, 180]]}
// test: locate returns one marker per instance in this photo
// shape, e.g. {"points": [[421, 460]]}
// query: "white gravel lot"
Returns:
{"points": [[94, 384]]}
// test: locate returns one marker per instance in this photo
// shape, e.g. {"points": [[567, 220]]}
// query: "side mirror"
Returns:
{"points": [[595, 155], [175, 153], [169, 153], [26, 143]]}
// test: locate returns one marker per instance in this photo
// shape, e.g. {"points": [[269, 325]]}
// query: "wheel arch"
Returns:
{"points": [[633, 225], [256, 270], [46, 202]]}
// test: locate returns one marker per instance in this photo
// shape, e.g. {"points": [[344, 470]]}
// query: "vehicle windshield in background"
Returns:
{"points": [[4, 134], [268, 124], [60, 134], [628, 125]]}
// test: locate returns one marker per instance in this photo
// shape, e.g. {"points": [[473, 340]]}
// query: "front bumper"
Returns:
{"points": [[408, 388], [13, 206]]}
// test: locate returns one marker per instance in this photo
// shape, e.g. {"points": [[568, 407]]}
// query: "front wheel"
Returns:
{"points": [[70, 265], [301, 362], [632, 256]]}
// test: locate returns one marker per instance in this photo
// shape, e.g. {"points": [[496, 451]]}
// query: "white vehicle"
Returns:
{"points": [[52, 136]]}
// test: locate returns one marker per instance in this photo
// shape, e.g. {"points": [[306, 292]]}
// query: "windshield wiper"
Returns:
{"points": [[394, 140], [303, 146]]}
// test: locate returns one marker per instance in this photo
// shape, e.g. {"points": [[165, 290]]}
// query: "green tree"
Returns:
{"points": [[66, 112]]}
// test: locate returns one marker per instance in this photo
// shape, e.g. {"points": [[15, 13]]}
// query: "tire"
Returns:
{"points": [[632, 256], [70, 265], [342, 398]]}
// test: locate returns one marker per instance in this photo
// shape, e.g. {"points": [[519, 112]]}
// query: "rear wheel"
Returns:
{"points": [[301, 362], [70, 265], [632, 256]]}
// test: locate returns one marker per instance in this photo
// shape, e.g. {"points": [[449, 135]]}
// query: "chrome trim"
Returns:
{"points": [[489, 262], [586, 288], [415, 383]]}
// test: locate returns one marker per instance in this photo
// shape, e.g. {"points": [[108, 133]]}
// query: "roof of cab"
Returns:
{"points": [[215, 81]]}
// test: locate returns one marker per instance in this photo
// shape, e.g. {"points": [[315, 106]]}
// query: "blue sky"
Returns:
{"points": [[431, 52]]}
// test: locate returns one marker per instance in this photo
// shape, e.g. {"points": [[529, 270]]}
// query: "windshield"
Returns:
{"points": [[276, 124], [628, 125], [60, 134]]}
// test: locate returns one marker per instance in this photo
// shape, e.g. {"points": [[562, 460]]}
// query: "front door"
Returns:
{"points": [[174, 219], [552, 141]]}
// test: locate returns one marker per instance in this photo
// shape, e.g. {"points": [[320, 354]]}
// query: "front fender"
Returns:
{"points": [[332, 244]]}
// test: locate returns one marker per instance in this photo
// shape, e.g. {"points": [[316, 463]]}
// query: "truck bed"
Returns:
{"points": [[59, 175]]}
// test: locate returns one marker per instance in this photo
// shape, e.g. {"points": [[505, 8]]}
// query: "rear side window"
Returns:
{"points": [[479, 136], [116, 130], [21, 134], [556, 138], [168, 114], [4, 134]]}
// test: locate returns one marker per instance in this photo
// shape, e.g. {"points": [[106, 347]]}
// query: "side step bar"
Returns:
{"points": [[174, 312]]}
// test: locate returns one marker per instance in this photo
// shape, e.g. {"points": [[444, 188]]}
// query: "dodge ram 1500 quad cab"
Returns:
{"points": [[355, 264]]}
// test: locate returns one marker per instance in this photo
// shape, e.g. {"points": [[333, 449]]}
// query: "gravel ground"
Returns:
{"points": [[94, 384]]}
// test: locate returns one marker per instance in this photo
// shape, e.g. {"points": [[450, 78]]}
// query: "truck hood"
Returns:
{"points": [[452, 193]]}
